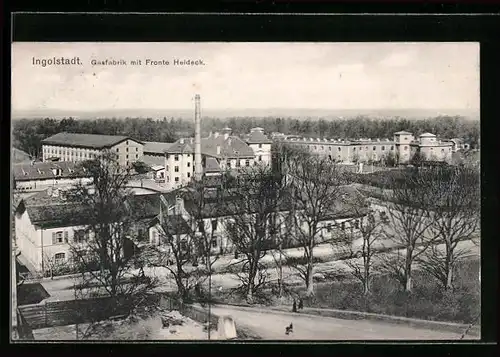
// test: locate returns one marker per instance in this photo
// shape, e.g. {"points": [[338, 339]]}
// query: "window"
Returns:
{"points": [[214, 225], [176, 179], [260, 158], [392, 147], [366, 148], [238, 164], [136, 149], [342, 225], [176, 157], [330, 148], [322, 147], [228, 165], [214, 243], [136, 156], [79, 236], [126, 149], [117, 150], [59, 257], [340, 149], [247, 162], [127, 142], [260, 146], [374, 148], [176, 169], [189, 174], [189, 164], [57, 237], [442, 150], [383, 148], [406, 148], [127, 156]]}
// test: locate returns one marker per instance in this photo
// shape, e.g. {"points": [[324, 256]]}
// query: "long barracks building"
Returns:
{"points": [[403, 147]]}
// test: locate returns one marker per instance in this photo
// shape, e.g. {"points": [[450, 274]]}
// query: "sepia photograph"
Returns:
{"points": [[245, 191]]}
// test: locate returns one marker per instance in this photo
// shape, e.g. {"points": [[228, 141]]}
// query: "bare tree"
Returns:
{"points": [[97, 250], [315, 193], [409, 227], [361, 241], [251, 203], [455, 205]]}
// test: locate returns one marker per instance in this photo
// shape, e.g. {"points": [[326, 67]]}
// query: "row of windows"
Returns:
{"points": [[83, 155], [61, 237], [126, 149]]}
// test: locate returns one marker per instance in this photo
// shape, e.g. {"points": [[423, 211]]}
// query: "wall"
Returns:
{"points": [[185, 164], [27, 239], [264, 152], [53, 182], [128, 151], [68, 153]]}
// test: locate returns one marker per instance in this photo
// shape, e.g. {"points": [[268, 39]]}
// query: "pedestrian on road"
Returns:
{"points": [[301, 304], [294, 307]]}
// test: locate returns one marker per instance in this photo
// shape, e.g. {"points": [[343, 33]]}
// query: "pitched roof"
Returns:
{"points": [[93, 141], [43, 170], [211, 165], [232, 147], [402, 133], [257, 137], [155, 147], [175, 224], [56, 215], [153, 161], [427, 135]]}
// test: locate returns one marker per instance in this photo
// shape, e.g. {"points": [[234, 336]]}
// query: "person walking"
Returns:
{"points": [[294, 306], [301, 304]]}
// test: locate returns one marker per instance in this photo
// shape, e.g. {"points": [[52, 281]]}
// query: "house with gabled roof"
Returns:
{"points": [[48, 225]]}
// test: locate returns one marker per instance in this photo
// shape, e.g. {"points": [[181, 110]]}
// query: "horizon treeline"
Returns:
{"points": [[29, 133]]}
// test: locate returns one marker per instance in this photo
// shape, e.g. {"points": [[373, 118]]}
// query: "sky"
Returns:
{"points": [[249, 76]]}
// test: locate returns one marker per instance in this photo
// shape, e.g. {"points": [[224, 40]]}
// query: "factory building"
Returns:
{"points": [[80, 147]]}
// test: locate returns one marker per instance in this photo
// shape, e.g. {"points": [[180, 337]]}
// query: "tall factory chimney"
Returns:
{"points": [[198, 169]]}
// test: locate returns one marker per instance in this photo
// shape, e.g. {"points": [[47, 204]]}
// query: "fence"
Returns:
{"points": [[23, 328], [61, 313]]}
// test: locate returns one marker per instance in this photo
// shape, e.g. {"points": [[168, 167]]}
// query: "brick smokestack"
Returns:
{"points": [[198, 169]]}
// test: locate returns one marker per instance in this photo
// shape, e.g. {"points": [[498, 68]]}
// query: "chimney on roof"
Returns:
{"points": [[198, 169], [218, 149]]}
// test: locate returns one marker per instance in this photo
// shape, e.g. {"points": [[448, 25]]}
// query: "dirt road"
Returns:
{"points": [[270, 325]]}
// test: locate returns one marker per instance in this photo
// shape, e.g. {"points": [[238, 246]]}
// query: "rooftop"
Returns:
{"points": [[230, 147], [402, 133], [45, 170], [93, 141], [211, 165], [427, 135], [155, 147], [257, 136]]}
